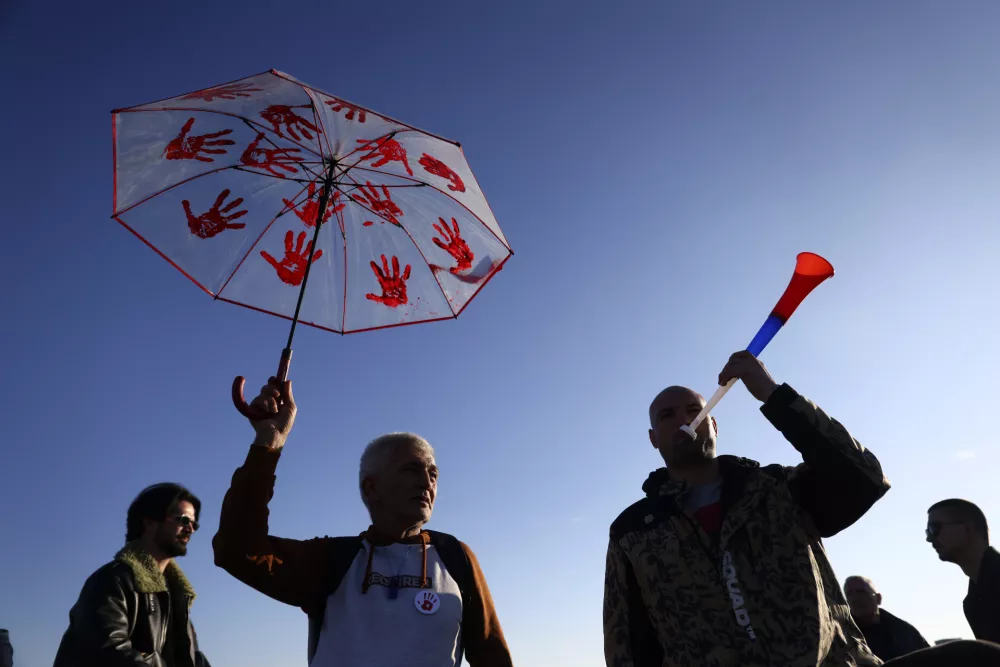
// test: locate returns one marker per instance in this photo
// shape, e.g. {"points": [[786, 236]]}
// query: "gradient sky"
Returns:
{"points": [[656, 167]]}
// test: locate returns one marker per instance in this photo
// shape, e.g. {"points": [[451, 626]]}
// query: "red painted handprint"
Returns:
{"points": [[270, 159], [432, 165], [454, 245], [385, 150], [338, 105], [183, 147], [393, 285], [310, 207], [229, 91], [215, 220], [282, 114], [384, 208], [292, 268]]}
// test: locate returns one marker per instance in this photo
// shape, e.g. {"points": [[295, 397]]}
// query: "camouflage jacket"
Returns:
{"points": [[761, 593]]}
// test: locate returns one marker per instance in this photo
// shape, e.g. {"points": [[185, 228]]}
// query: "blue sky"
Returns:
{"points": [[655, 166]]}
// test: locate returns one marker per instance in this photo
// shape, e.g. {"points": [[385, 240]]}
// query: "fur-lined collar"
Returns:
{"points": [[148, 578]]}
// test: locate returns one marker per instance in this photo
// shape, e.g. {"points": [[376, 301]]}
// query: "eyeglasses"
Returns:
{"points": [[934, 527], [186, 521]]}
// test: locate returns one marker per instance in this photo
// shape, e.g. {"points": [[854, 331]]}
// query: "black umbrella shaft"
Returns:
{"points": [[323, 200]]}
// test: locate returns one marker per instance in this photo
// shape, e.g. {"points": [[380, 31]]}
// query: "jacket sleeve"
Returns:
{"points": [[291, 571], [101, 622], [482, 635], [839, 480], [617, 631]]}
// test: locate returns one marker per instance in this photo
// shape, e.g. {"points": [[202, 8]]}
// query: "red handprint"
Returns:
{"points": [[455, 246], [229, 91], [393, 285], [432, 165], [214, 221], [270, 158], [282, 114], [385, 208], [292, 268], [385, 150], [338, 105], [183, 147], [310, 207]]}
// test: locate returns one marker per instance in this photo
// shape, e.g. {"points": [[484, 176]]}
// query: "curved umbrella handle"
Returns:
{"points": [[250, 412]]}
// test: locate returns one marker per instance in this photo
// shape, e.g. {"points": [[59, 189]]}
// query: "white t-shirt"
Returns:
{"points": [[373, 630]]}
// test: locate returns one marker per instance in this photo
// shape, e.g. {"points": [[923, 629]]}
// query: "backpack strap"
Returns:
{"points": [[456, 562], [343, 551]]}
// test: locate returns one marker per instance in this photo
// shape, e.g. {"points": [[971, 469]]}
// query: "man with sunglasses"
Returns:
{"points": [[958, 531], [135, 610]]}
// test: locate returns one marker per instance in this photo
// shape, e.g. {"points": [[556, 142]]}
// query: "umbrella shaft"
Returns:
{"points": [[324, 198]]}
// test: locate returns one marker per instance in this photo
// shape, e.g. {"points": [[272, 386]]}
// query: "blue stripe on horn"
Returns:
{"points": [[764, 335]]}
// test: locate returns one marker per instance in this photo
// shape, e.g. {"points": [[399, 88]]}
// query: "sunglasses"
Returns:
{"points": [[186, 521], [934, 527]]}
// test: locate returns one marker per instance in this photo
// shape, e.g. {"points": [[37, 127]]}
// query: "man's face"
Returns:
{"points": [[406, 489], [862, 598], [173, 533], [946, 534], [673, 408]]}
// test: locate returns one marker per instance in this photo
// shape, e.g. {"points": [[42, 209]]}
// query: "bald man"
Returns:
{"points": [[722, 562], [888, 636]]}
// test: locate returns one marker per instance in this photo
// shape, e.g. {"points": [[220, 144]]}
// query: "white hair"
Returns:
{"points": [[379, 452]]}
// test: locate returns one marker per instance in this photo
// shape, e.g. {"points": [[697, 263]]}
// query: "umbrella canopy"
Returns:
{"points": [[239, 185]]}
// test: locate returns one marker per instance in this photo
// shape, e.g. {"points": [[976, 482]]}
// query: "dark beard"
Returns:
{"points": [[173, 547]]}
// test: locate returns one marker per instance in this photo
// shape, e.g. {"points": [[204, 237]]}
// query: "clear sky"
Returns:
{"points": [[656, 166]]}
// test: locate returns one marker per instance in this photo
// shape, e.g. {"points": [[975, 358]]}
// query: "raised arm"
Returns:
{"points": [[291, 571], [839, 480]]}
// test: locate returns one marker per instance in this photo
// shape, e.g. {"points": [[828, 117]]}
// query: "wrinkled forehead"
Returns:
{"points": [[407, 452], [674, 397]]}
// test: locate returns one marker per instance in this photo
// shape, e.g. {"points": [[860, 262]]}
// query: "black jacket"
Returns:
{"points": [[892, 637], [982, 604], [123, 615]]}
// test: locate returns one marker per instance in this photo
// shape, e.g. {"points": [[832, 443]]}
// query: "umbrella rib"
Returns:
{"points": [[361, 108], [253, 245], [230, 115], [358, 186], [235, 167], [388, 135], [439, 190], [416, 245], [200, 90], [317, 117], [277, 147]]}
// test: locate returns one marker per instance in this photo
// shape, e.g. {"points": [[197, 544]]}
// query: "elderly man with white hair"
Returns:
{"points": [[394, 595]]}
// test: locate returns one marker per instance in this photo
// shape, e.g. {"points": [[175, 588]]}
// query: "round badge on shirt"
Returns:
{"points": [[427, 602]]}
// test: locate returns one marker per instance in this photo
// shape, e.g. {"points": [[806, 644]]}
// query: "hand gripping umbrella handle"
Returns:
{"points": [[254, 413]]}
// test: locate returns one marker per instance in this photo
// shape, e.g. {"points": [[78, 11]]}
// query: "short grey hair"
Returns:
{"points": [[379, 452]]}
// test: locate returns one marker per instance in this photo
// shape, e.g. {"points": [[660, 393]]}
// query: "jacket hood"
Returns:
{"points": [[148, 578]]}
